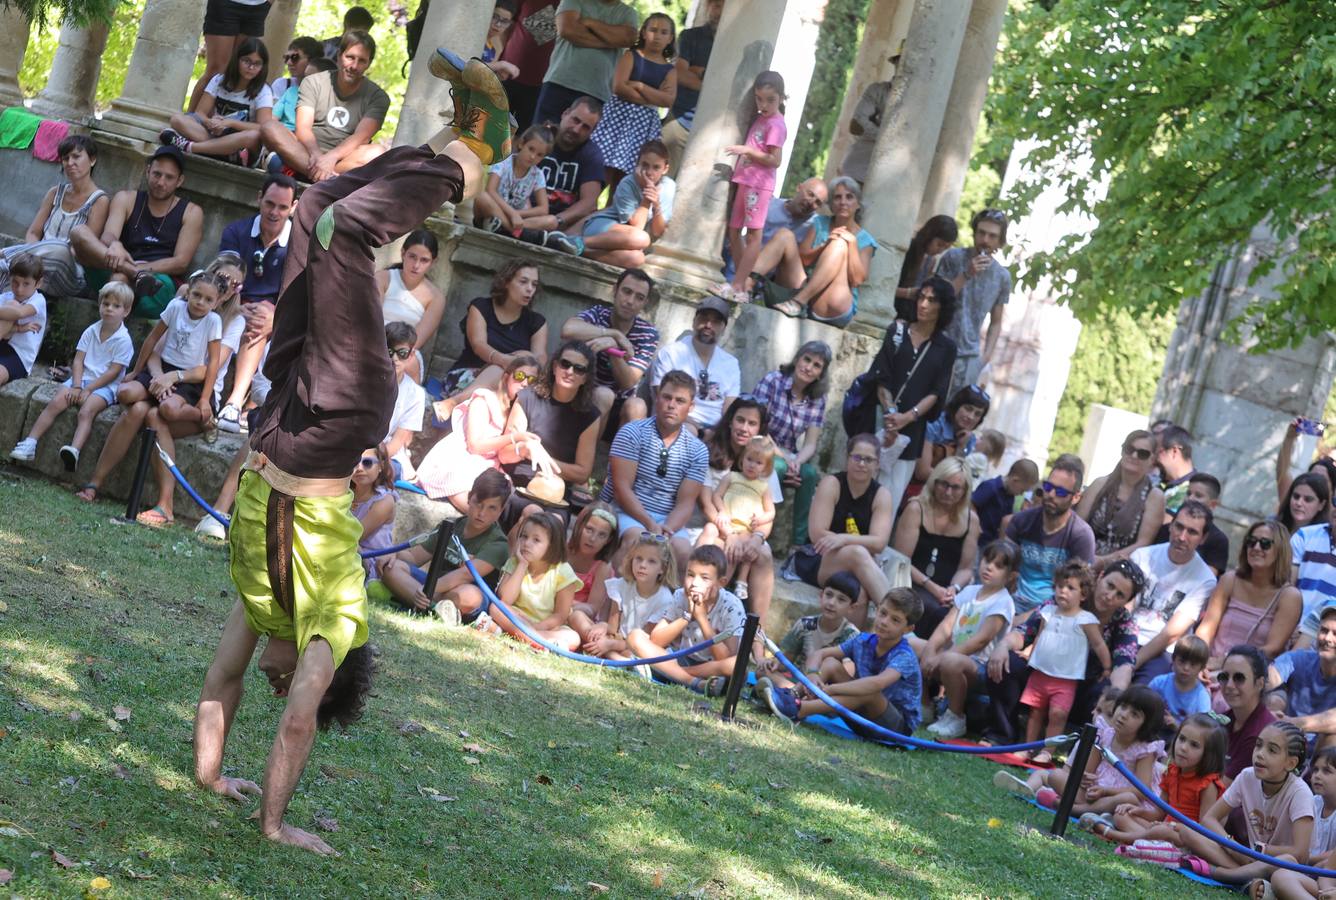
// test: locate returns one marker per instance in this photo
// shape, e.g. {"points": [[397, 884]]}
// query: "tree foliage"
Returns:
{"points": [[50, 12], [1206, 118]]}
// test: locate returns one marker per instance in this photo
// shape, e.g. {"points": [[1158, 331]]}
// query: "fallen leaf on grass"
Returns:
{"points": [[10, 832], [3, 732], [596, 888], [814, 838], [113, 725], [122, 713], [683, 766], [777, 785], [410, 728], [472, 761], [121, 772], [4, 607], [474, 748], [325, 823], [543, 779], [658, 880], [465, 735], [62, 860], [75, 715]]}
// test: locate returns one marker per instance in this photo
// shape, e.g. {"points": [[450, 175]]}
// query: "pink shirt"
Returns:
{"points": [[1270, 819], [765, 134]]}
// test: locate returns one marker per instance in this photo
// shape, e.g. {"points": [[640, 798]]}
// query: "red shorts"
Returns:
{"points": [[1044, 692], [750, 207]]}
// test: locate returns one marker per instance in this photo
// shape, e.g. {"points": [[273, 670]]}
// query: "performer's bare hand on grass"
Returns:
{"points": [[235, 788]]}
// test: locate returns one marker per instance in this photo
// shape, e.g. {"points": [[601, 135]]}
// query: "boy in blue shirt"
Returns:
{"points": [[995, 499], [886, 685], [1182, 689]]}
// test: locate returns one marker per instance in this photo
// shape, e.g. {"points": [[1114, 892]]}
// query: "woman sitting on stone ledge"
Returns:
{"points": [[77, 201]]}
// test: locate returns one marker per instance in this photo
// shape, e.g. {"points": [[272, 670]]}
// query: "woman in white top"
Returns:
{"points": [[227, 119], [78, 201], [411, 298]]}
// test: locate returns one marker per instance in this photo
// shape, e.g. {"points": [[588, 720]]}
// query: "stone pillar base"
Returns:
{"points": [[133, 120]]}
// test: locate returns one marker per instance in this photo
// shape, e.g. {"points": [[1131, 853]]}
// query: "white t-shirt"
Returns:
{"points": [[235, 104], [100, 355], [186, 341], [1324, 832], [727, 616], [637, 611], [1170, 589], [232, 341], [26, 345], [724, 378], [972, 612], [1062, 648], [409, 408]]}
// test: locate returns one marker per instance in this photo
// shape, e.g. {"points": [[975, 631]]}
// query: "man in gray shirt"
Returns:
{"points": [[984, 287], [590, 36]]}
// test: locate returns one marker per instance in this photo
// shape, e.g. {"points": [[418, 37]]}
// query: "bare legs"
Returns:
{"points": [[779, 254], [88, 411], [621, 245], [206, 144], [218, 50], [134, 398]]}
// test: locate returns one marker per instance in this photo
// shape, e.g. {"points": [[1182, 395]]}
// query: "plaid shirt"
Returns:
{"points": [[788, 418]]}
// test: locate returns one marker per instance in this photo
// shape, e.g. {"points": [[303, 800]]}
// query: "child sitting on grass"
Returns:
{"points": [[642, 596], [811, 634], [1130, 734], [404, 575], [956, 656], [740, 505], [1182, 689], [1322, 848], [1190, 785], [700, 610], [22, 318], [538, 584], [590, 547], [374, 500], [103, 353], [516, 186], [885, 686]]}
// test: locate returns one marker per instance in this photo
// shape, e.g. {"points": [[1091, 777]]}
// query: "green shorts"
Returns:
{"points": [[149, 307], [326, 577]]}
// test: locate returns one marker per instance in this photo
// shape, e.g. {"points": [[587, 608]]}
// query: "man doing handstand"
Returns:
{"points": [[293, 538]]}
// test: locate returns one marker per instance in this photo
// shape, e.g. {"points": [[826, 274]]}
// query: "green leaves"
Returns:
{"points": [[1207, 119], [80, 12]]}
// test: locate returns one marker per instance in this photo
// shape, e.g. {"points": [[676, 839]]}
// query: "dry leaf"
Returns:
{"points": [[658, 880], [4, 607], [551, 745], [410, 728], [75, 715], [472, 761], [61, 860], [683, 766], [474, 748], [325, 823], [543, 779], [113, 725], [121, 772], [3, 732], [465, 735], [596, 888], [122, 713], [6, 876]]}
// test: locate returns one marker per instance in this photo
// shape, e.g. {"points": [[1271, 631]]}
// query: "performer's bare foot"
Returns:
{"points": [[296, 837]]}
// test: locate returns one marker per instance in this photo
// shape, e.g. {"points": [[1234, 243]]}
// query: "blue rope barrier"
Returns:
{"points": [[491, 599], [1311, 871], [894, 736]]}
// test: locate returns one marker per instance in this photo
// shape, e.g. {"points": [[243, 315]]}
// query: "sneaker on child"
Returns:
{"points": [[950, 725], [25, 450]]}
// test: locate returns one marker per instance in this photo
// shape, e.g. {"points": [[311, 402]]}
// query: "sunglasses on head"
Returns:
{"points": [[577, 368], [662, 471], [401, 353], [524, 377], [257, 263], [1140, 453], [1049, 487], [1260, 543], [1237, 677], [647, 538]]}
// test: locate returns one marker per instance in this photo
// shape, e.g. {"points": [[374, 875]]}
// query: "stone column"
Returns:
{"points": [[280, 26], [13, 44], [969, 88], [160, 69], [427, 105], [690, 250], [909, 129], [887, 22], [72, 86]]}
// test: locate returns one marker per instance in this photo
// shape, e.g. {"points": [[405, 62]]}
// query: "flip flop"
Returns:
{"points": [[1041, 758], [1196, 865], [87, 492], [154, 518], [787, 308]]}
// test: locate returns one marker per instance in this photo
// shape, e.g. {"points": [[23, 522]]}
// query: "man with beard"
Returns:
{"points": [[1178, 584], [717, 373], [1050, 534], [573, 171], [796, 214], [1305, 683]]}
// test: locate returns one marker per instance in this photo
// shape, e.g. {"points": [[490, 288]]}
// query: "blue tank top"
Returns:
{"points": [[650, 73]]}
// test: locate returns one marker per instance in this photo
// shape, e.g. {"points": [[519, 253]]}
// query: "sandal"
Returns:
{"points": [[146, 284], [1098, 824], [1041, 758], [791, 308], [1195, 864], [154, 518], [87, 492]]}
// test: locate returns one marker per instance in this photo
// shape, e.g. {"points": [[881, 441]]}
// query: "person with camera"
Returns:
{"points": [[984, 286]]}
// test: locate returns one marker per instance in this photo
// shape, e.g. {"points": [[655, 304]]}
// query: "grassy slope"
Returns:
{"points": [[644, 795]]}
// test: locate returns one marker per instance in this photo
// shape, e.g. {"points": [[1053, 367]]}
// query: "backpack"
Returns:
{"points": [[859, 410]]}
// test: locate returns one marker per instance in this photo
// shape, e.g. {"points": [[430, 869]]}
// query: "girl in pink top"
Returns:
{"points": [[754, 173]]}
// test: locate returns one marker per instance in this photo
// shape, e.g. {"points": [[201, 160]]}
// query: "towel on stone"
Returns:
{"points": [[18, 127]]}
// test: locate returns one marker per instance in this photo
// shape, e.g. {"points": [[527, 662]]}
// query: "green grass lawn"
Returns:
{"points": [[482, 769]]}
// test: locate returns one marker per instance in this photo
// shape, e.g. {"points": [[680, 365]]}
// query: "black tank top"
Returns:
{"points": [[938, 555], [853, 515], [150, 239]]}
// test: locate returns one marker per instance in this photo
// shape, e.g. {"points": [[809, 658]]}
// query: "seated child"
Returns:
{"points": [[1182, 689], [285, 104], [22, 318], [516, 186], [590, 547], [996, 498], [1130, 734], [1322, 848], [374, 500], [409, 403], [101, 357], [1191, 784], [642, 596], [812, 633], [741, 504], [1068, 631], [885, 685], [538, 584], [701, 609], [986, 459], [641, 207], [456, 597], [956, 656]]}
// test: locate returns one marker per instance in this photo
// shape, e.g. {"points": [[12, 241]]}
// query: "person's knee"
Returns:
{"points": [[634, 409], [603, 399]]}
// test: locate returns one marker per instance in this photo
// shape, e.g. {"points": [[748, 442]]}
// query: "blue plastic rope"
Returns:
{"points": [[896, 737], [1311, 871]]}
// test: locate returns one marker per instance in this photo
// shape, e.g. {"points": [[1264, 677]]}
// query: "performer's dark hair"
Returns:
{"points": [[345, 700]]}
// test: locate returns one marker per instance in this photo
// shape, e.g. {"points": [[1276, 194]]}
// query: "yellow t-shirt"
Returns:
{"points": [[538, 596]]}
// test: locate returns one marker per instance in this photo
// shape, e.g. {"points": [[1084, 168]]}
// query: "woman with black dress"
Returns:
{"points": [[939, 532]]}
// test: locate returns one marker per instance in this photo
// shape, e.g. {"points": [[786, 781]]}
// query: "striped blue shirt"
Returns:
{"points": [[1316, 559], [687, 460]]}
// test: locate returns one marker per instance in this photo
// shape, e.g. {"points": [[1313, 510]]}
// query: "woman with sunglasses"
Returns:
{"points": [[374, 500], [939, 532], [477, 436], [1255, 604], [1242, 681], [1125, 507], [557, 413]]}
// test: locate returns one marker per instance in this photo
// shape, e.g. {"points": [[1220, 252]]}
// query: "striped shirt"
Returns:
{"points": [[789, 418], [639, 441], [1316, 559], [643, 336]]}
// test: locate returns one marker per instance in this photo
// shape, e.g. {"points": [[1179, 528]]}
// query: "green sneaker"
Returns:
{"points": [[482, 112], [450, 67]]}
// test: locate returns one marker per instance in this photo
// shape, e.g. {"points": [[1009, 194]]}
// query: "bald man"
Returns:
{"points": [[795, 214]]}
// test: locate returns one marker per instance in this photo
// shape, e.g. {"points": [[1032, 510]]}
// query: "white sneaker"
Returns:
{"points": [[948, 726], [210, 527], [229, 419], [447, 612], [69, 456], [25, 450]]}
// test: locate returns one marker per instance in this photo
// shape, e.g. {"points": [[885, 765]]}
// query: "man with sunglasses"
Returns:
{"points": [[1178, 584], [984, 286], [1050, 534], [262, 244], [716, 371], [1305, 681], [657, 469]]}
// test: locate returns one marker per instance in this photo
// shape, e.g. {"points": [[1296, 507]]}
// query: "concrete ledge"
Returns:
{"points": [[13, 410], [792, 601]]}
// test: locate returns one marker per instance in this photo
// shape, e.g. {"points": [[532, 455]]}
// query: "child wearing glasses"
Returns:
{"points": [[740, 505], [236, 102], [409, 401]]}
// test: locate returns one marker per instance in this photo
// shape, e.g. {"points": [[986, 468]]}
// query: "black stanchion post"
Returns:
{"points": [[147, 438], [740, 667], [437, 559], [1085, 745]]}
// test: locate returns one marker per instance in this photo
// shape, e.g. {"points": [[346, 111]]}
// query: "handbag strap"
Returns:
{"points": [[918, 358]]}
